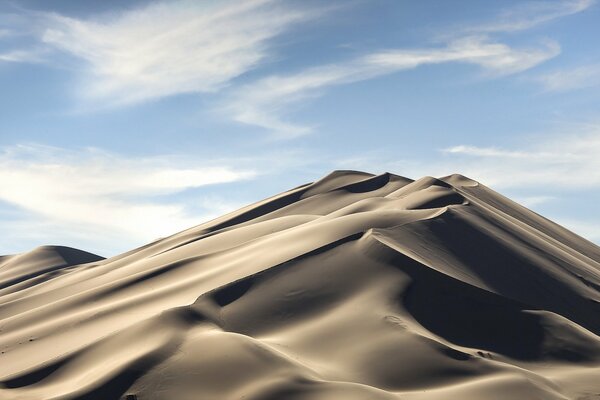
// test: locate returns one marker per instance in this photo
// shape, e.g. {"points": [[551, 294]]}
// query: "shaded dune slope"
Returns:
{"points": [[356, 286]]}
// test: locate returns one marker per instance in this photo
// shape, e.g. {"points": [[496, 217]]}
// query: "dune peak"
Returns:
{"points": [[355, 286]]}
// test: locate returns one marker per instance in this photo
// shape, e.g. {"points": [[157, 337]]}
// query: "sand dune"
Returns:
{"points": [[353, 287]]}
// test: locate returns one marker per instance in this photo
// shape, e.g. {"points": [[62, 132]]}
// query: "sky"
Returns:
{"points": [[125, 121]]}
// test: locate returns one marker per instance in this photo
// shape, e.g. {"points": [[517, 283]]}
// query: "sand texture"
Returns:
{"points": [[353, 287]]}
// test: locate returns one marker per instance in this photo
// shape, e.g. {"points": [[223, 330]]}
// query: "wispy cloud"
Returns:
{"points": [[261, 103], [169, 48], [20, 56], [560, 161], [586, 76], [496, 58], [264, 102], [494, 152], [568, 161], [94, 191], [530, 14], [18, 37]]}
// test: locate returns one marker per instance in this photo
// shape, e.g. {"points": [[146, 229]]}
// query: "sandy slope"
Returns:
{"points": [[353, 287]]}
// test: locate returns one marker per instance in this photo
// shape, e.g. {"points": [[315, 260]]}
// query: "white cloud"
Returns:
{"points": [[567, 161], [91, 192], [540, 167], [485, 151], [586, 76], [169, 48], [496, 58], [262, 103], [527, 15], [20, 56]]}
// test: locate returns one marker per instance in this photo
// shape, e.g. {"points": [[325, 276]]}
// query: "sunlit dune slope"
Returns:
{"points": [[353, 287]]}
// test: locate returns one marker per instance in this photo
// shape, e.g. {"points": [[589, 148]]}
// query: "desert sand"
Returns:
{"points": [[353, 287]]}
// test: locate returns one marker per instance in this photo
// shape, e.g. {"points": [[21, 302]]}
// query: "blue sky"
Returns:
{"points": [[125, 121]]}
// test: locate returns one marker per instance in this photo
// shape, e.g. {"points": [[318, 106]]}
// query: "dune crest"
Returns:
{"points": [[356, 286]]}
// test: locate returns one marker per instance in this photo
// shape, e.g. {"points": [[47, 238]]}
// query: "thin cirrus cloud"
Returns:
{"points": [[495, 58], [585, 76], [169, 48], [107, 194], [15, 56], [22, 56], [528, 15], [566, 160], [264, 102], [31, 55], [569, 161]]}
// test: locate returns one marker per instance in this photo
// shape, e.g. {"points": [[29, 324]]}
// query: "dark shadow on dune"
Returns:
{"points": [[301, 303], [464, 314], [34, 277], [260, 210], [232, 292], [471, 317], [475, 318], [112, 389], [441, 201], [74, 256], [368, 185], [503, 268], [227, 294], [533, 219], [34, 376], [116, 387], [374, 183]]}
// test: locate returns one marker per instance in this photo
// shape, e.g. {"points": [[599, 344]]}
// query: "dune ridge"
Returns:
{"points": [[356, 286]]}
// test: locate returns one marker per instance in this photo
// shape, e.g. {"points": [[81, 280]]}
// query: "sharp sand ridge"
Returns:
{"points": [[353, 287]]}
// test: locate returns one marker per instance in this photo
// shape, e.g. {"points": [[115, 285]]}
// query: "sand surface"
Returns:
{"points": [[353, 287]]}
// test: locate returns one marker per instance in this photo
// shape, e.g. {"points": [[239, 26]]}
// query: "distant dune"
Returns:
{"points": [[353, 287]]}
